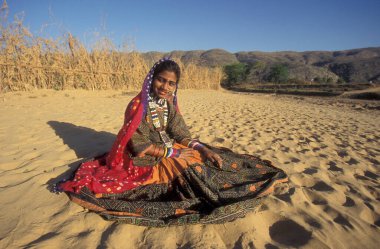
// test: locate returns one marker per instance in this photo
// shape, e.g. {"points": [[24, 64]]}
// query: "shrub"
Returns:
{"points": [[235, 73], [278, 73], [324, 79]]}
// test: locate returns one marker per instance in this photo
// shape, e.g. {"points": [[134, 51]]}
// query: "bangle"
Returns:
{"points": [[191, 143], [172, 152], [195, 144], [188, 143], [165, 152]]}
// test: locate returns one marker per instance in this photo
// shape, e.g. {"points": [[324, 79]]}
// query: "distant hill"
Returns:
{"points": [[355, 65]]}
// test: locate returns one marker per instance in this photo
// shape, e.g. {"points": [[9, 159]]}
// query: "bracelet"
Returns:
{"points": [[165, 152], [195, 144], [189, 143], [172, 152]]}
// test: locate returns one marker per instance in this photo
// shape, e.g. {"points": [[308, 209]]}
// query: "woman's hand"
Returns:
{"points": [[185, 153], [212, 156]]}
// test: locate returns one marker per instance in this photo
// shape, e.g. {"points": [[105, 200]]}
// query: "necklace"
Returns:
{"points": [[162, 104]]}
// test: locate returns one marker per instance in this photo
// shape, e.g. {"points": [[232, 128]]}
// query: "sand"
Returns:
{"points": [[330, 151]]}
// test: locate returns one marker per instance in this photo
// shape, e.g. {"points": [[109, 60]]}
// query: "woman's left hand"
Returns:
{"points": [[212, 156]]}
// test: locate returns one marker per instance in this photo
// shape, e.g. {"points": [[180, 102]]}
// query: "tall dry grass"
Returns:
{"points": [[30, 62]]}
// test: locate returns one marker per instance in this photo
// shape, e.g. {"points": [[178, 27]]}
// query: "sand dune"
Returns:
{"points": [[330, 151]]}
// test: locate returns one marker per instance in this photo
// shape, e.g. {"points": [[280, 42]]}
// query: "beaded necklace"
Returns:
{"points": [[161, 103]]}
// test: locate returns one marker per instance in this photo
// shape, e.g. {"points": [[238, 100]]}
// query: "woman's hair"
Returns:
{"points": [[170, 66]]}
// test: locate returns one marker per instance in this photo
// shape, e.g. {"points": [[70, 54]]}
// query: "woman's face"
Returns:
{"points": [[164, 84]]}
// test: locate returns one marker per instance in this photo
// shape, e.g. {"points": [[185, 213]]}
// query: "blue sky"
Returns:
{"points": [[235, 25]]}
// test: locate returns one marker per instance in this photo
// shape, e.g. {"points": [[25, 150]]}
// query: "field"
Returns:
{"points": [[29, 62]]}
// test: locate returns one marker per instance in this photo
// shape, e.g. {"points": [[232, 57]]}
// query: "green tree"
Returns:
{"points": [[236, 73], [340, 81], [278, 73]]}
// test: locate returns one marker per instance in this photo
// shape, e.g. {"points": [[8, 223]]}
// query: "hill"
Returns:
{"points": [[355, 65]]}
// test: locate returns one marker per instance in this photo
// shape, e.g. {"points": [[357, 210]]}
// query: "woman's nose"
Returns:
{"points": [[165, 85]]}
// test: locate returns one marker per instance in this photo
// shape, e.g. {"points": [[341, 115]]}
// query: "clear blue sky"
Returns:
{"points": [[235, 25]]}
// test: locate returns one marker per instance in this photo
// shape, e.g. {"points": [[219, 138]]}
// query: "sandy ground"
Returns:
{"points": [[330, 151]]}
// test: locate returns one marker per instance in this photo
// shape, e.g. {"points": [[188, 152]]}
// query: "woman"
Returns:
{"points": [[157, 175]]}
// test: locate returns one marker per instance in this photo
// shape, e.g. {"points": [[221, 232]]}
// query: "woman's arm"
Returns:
{"points": [[162, 151]]}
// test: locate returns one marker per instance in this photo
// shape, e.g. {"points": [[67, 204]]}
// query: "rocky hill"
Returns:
{"points": [[355, 65]]}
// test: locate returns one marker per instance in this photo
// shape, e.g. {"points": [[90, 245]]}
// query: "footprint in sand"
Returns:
{"points": [[352, 161], [342, 153], [337, 217], [270, 246], [286, 196], [377, 223], [312, 222], [363, 178], [322, 186], [372, 160], [289, 233], [343, 221], [321, 155], [371, 175], [349, 202], [42, 238], [333, 167], [310, 171], [352, 189], [294, 160], [218, 140]]}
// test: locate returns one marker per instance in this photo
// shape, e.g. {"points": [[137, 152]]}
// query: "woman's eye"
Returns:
{"points": [[164, 81]]}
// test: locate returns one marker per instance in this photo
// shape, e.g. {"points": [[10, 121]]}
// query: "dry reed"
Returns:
{"points": [[28, 62]]}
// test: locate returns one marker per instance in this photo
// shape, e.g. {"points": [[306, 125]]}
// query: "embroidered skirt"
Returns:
{"points": [[187, 191]]}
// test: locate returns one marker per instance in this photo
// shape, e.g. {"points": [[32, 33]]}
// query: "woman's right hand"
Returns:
{"points": [[212, 156]]}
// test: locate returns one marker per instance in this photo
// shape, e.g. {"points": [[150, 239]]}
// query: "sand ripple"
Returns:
{"points": [[331, 153]]}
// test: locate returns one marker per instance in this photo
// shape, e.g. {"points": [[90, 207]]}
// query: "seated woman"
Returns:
{"points": [[157, 175]]}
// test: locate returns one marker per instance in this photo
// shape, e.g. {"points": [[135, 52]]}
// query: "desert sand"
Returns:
{"points": [[330, 150]]}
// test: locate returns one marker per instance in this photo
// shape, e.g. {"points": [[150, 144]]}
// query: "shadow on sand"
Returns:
{"points": [[82, 140], [85, 142]]}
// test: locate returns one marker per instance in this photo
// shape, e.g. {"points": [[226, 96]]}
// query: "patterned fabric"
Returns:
{"points": [[128, 186], [146, 135], [115, 172], [187, 193]]}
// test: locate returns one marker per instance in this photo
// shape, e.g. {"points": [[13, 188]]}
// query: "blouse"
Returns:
{"points": [[146, 135]]}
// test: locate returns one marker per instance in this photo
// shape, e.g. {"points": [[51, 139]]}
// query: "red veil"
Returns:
{"points": [[115, 172]]}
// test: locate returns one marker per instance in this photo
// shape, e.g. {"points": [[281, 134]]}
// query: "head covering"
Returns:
{"points": [[115, 172]]}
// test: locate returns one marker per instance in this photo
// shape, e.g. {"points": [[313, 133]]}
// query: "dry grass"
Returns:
{"points": [[28, 62]]}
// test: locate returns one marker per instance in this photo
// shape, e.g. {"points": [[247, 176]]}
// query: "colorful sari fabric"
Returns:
{"points": [[153, 191], [115, 171]]}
